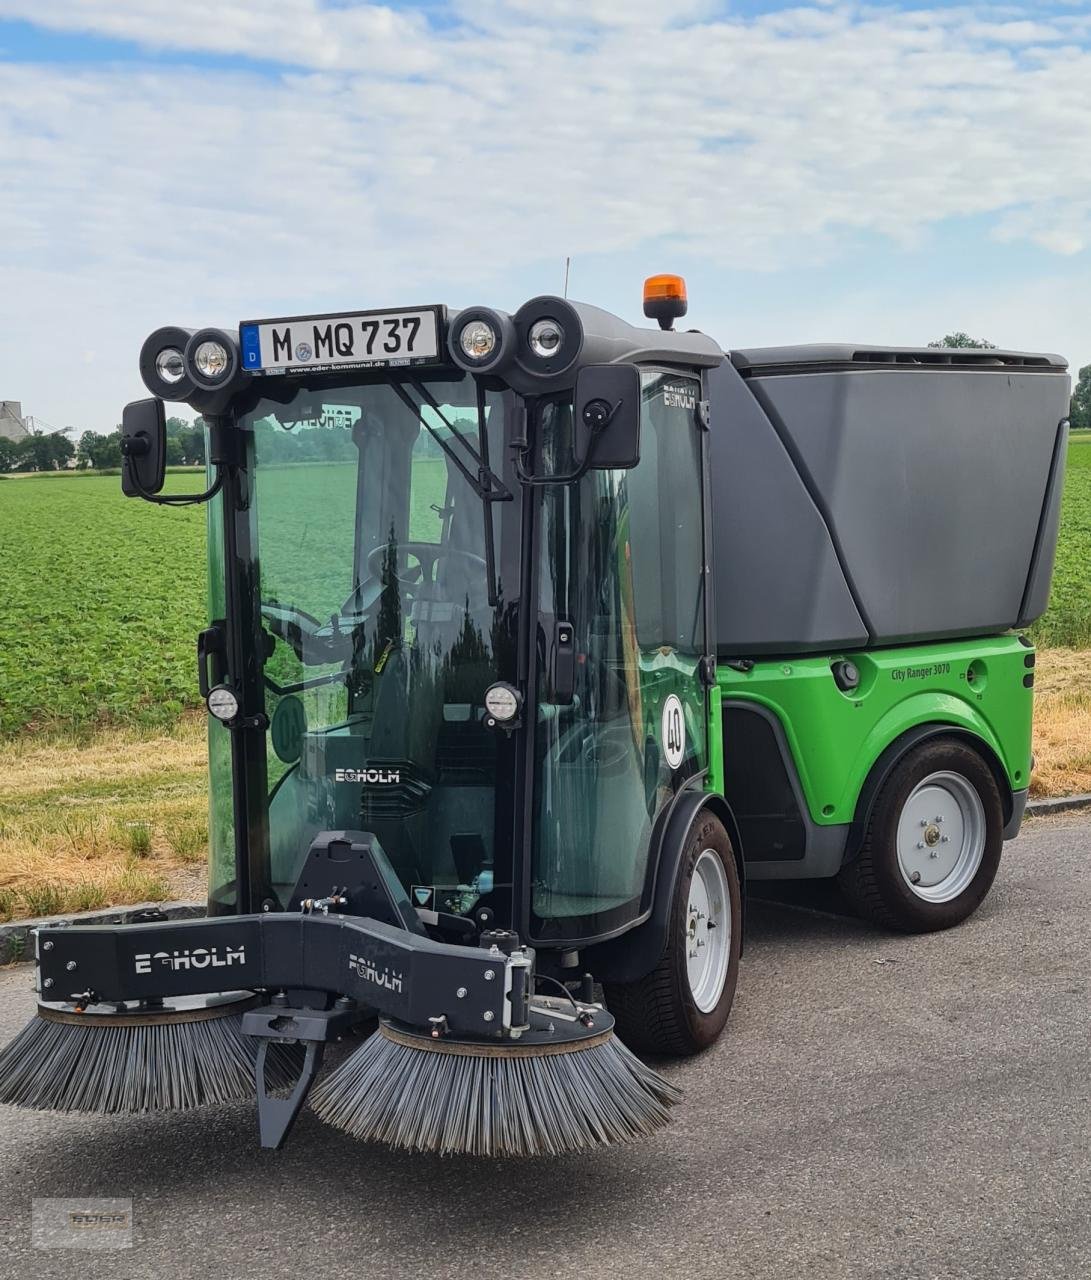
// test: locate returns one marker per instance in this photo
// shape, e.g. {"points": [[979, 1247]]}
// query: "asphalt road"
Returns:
{"points": [[881, 1106]]}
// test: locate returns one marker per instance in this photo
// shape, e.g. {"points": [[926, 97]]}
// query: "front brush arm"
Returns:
{"points": [[401, 974]]}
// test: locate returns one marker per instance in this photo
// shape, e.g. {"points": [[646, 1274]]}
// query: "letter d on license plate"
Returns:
{"points": [[365, 339]]}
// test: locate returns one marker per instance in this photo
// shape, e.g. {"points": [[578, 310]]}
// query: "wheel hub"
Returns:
{"points": [[941, 837], [708, 931]]}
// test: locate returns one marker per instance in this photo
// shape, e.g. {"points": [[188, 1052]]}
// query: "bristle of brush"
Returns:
{"points": [[52, 1066], [494, 1105]]}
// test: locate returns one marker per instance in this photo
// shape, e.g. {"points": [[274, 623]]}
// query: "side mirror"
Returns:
{"points": [[143, 448], [607, 416]]}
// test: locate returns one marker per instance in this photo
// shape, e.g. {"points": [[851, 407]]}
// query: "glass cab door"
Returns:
{"points": [[387, 590], [620, 563]]}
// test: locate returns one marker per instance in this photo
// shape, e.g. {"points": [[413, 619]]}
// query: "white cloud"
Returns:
{"points": [[396, 161], [296, 32]]}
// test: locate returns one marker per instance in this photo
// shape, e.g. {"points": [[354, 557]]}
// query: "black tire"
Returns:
{"points": [[658, 1014], [873, 880]]}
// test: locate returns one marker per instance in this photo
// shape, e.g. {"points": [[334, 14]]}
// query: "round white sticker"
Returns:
{"points": [[673, 731]]}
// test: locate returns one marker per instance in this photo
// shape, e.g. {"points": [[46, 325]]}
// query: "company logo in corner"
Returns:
{"points": [[384, 977], [196, 958]]}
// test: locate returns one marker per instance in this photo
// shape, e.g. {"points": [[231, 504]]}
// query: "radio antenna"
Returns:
{"points": [[567, 264]]}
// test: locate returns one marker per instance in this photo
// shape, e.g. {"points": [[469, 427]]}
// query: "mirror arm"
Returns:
{"points": [[219, 455], [171, 499], [532, 481]]}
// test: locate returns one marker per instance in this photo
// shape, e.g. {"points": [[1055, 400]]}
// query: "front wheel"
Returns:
{"points": [[682, 1005], [933, 841]]}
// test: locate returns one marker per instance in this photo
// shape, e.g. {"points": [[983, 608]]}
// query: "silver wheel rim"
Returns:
{"points": [[941, 837], [708, 931]]}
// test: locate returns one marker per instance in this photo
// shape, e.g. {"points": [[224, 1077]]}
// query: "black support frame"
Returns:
{"points": [[480, 992]]}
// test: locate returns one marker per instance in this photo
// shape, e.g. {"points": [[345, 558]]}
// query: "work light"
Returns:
{"points": [[212, 359], [477, 340], [502, 702], [545, 338], [163, 365], [222, 703], [481, 340], [170, 366], [550, 337]]}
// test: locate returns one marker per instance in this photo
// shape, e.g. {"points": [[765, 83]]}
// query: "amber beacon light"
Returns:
{"points": [[665, 299]]}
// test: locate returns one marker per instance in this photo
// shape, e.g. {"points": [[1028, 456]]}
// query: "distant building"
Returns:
{"points": [[12, 426]]}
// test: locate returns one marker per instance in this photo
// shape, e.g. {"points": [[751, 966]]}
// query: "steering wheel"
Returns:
{"points": [[606, 746], [427, 556], [313, 642]]}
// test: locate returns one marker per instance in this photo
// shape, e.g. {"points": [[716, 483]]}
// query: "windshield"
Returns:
{"points": [[386, 554]]}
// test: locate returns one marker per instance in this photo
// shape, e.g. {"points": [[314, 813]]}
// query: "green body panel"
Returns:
{"points": [[835, 738]]}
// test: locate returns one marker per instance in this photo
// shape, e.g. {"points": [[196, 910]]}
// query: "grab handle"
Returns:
{"points": [[211, 658]]}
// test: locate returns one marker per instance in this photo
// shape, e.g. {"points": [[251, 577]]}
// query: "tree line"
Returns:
{"points": [[1079, 416], [186, 440], [97, 450]]}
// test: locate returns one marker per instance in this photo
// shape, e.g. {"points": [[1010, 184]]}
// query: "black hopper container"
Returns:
{"points": [[869, 496]]}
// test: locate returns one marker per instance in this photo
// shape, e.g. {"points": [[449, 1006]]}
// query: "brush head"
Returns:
{"points": [[110, 1059], [550, 1092]]}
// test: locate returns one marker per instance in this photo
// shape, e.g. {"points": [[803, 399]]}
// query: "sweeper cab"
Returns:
{"points": [[534, 638]]}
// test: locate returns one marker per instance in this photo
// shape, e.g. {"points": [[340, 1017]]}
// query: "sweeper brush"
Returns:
{"points": [[115, 1059], [545, 1094], [469, 1057]]}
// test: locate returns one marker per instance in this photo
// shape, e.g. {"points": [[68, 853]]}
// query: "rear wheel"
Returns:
{"points": [[933, 841], [683, 1004]]}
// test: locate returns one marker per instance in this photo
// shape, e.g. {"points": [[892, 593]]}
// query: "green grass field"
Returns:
{"points": [[1067, 623], [101, 597], [100, 601]]}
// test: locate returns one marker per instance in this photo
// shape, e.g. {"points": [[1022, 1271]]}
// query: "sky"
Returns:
{"points": [[882, 172]]}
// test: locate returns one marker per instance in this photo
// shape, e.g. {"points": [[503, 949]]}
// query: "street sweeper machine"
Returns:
{"points": [[533, 638]]}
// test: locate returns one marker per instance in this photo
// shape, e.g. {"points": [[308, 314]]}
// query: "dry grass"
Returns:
{"points": [[120, 819], [1062, 723], [123, 818]]}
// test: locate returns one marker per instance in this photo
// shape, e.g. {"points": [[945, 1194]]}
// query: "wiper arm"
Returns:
{"points": [[486, 483]]}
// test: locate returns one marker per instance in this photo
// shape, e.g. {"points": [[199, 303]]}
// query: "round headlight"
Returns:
{"points": [[550, 337], [163, 364], [545, 338], [477, 340], [212, 360], [222, 703], [170, 366], [502, 702]]}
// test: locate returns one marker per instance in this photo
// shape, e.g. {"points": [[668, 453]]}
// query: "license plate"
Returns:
{"points": [[363, 340]]}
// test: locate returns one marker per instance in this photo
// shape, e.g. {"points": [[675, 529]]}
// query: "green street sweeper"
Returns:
{"points": [[533, 638]]}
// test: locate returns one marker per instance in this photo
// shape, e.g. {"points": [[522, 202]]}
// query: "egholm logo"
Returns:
{"points": [[374, 776], [197, 958]]}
